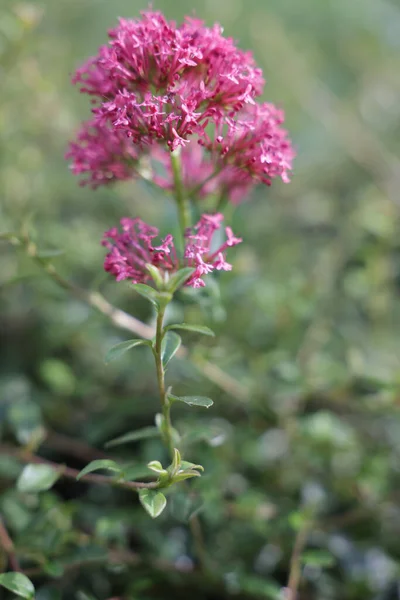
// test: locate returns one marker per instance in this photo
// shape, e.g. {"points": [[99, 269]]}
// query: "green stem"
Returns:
{"points": [[222, 201], [180, 195], [165, 404]]}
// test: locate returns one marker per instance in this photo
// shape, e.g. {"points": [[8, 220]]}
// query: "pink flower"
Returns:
{"points": [[199, 253], [132, 249], [254, 144], [150, 63], [102, 153], [157, 87], [192, 62]]}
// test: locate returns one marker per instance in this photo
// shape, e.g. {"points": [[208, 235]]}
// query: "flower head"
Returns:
{"points": [[254, 144], [191, 61], [159, 81], [160, 85], [132, 249], [199, 251], [102, 153]]}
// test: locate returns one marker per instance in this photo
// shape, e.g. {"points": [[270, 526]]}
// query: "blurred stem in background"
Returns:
{"points": [[7, 545], [295, 560]]}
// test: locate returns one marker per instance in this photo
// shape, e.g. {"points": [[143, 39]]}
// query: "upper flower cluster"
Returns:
{"points": [[159, 84], [131, 250], [153, 62]]}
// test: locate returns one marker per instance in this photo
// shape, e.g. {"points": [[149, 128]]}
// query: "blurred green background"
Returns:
{"points": [[307, 323]]}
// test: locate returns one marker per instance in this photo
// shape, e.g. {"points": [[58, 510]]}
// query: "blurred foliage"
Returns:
{"points": [[308, 321]]}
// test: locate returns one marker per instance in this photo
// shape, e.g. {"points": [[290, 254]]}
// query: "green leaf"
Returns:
{"points": [[156, 276], [157, 467], [178, 279], [119, 349], [197, 328], [19, 584], [188, 465], [37, 478], [170, 346], [176, 462], [152, 501], [182, 475], [134, 436], [192, 400], [156, 298], [318, 558], [95, 465], [184, 470], [134, 472]]}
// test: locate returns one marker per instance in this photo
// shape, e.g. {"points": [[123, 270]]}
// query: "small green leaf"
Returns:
{"points": [[18, 584], [95, 465], [120, 349], [157, 467], [179, 278], [156, 276], [37, 478], [152, 501], [134, 472], [185, 471], [182, 475], [170, 346], [192, 400], [134, 436], [318, 558], [156, 298], [176, 462], [197, 328], [188, 465]]}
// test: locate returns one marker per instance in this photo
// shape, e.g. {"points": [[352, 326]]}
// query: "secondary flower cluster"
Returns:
{"points": [[131, 249], [157, 86]]}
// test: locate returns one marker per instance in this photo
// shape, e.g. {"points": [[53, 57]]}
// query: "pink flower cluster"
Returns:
{"points": [[132, 249], [157, 84], [103, 153]]}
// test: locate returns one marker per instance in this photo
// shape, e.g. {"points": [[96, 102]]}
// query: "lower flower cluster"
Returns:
{"points": [[133, 248]]}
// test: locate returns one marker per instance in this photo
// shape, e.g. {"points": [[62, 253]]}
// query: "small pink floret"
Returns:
{"points": [[132, 249]]}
